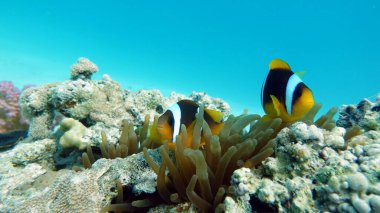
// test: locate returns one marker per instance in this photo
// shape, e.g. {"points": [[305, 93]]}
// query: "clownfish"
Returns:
{"points": [[183, 112], [283, 93]]}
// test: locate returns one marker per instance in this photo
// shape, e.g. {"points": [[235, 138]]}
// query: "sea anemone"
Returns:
{"points": [[130, 142], [199, 174], [202, 175]]}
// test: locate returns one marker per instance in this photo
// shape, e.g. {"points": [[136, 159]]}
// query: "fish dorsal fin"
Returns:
{"points": [[278, 64], [216, 115], [276, 104]]}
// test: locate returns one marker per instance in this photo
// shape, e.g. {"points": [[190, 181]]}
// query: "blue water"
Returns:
{"points": [[220, 47]]}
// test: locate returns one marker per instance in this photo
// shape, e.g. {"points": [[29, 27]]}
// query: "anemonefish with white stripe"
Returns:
{"points": [[284, 95], [183, 112]]}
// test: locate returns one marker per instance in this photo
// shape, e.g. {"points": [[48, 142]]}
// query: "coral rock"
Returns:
{"points": [[26, 153], [99, 105], [33, 189], [315, 170], [36, 107], [365, 114], [83, 69]]}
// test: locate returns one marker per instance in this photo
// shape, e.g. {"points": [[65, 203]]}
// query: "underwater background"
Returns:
{"points": [[222, 48], [95, 126]]}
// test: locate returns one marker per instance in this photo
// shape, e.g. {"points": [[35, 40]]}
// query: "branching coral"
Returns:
{"points": [[202, 175], [10, 116]]}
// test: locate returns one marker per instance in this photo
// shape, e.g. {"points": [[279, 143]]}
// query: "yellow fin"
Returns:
{"points": [[216, 115], [278, 64], [276, 104]]}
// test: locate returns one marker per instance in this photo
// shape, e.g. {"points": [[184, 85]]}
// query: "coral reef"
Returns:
{"points": [[89, 101], [36, 107], [74, 114], [251, 166], [98, 105], [36, 152], [365, 114], [35, 188], [350, 179], [315, 169], [83, 69], [10, 112]]}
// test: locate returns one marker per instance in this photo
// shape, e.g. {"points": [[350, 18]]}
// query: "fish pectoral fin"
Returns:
{"points": [[276, 104], [216, 115]]}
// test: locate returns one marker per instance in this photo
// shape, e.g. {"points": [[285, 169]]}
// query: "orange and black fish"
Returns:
{"points": [[183, 112], [284, 95]]}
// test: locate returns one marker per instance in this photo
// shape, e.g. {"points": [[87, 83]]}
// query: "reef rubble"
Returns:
{"points": [[312, 169]]}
